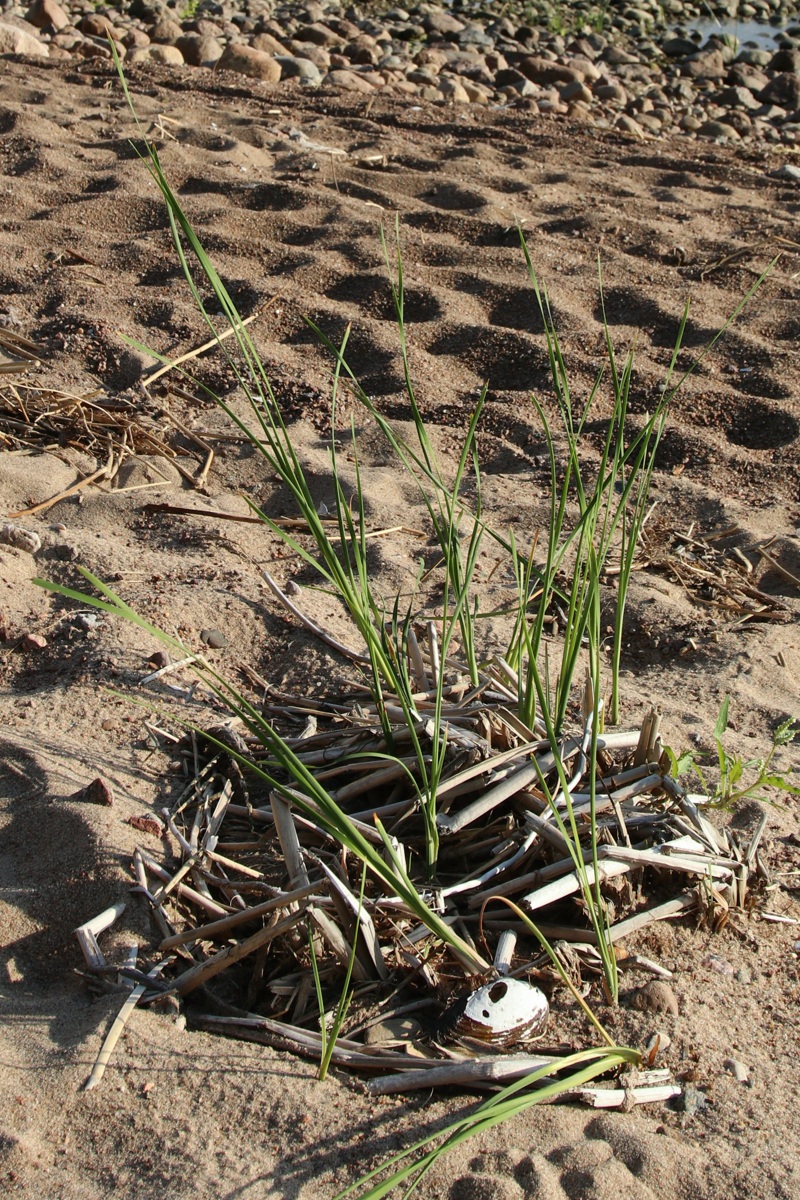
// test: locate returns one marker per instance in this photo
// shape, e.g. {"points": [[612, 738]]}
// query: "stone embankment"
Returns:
{"points": [[640, 67]]}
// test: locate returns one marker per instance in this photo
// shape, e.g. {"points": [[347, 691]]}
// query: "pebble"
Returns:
{"points": [[737, 1069], [47, 14], [14, 40], [19, 538], [244, 60], [709, 88], [214, 638], [692, 1101], [96, 792], [32, 641], [655, 997], [719, 964], [787, 171]]}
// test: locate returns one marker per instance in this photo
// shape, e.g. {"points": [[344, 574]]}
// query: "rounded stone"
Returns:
{"points": [[267, 44], [318, 55], [166, 31], [299, 68], [244, 60], [213, 638], [167, 55], [199, 50], [656, 997], [17, 41], [783, 90], [709, 65], [628, 125], [576, 91], [452, 90], [442, 23], [319, 34], [134, 39], [349, 80], [47, 14], [612, 93], [719, 129], [542, 70]]}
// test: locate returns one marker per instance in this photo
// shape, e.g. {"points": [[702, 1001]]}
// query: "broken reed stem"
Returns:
{"points": [[191, 979], [114, 1033]]}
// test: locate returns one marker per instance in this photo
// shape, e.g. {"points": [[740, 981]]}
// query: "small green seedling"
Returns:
{"points": [[734, 770]]}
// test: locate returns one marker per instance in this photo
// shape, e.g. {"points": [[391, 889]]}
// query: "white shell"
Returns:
{"points": [[501, 1013]]}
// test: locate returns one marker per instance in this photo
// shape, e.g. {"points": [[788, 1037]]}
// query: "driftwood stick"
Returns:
{"points": [[223, 861], [183, 889], [433, 652], [514, 783], [752, 849], [466, 1073], [217, 816], [379, 776], [303, 1041], [359, 913], [547, 830], [504, 954], [159, 915], [672, 856], [559, 889], [215, 341], [70, 491], [338, 943], [417, 662], [658, 912]]}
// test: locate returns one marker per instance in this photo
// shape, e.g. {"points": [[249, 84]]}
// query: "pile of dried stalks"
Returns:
{"points": [[258, 889]]}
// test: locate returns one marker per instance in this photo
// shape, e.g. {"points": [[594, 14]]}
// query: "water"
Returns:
{"points": [[747, 32]]}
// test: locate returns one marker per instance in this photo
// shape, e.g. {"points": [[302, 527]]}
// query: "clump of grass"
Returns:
{"points": [[594, 517]]}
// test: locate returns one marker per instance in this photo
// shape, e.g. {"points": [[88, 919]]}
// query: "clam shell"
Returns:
{"points": [[499, 1013]]}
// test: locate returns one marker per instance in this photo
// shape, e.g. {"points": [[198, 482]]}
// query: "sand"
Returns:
{"points": [[288, 192]]}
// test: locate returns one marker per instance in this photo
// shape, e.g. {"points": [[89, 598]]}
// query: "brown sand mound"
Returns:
{"points": [[288, 193]]}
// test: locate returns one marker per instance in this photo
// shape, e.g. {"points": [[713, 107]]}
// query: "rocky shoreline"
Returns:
{"points": [[638, 67]]}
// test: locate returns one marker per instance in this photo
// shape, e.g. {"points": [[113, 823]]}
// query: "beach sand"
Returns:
{"points": [[288, 192]]}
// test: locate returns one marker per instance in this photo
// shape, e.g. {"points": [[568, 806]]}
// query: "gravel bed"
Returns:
{"points": [[642, 67]]}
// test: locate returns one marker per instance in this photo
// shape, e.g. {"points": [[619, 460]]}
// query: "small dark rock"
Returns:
{"points": [[214, 638], [678, 47], [786, 60], [692, 1100], [96, 792], [158, 659], [783, 90], [147, 824]]}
